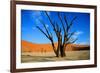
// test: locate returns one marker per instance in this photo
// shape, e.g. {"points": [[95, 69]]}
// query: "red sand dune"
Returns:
{"points": [[32, 47]]}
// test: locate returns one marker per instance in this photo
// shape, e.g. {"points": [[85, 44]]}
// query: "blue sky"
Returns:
{"points": [[30, 19]]}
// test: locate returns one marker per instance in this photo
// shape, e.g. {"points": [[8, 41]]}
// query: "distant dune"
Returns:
{"points": [[33, 47]]}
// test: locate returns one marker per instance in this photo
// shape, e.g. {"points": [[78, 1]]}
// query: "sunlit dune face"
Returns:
{"points": [[32, 47]]}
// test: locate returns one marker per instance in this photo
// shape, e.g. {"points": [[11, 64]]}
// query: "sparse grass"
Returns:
{"points": [[50, 56]]}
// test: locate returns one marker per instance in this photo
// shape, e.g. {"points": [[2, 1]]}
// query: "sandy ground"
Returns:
{"points": [[27, 57]]}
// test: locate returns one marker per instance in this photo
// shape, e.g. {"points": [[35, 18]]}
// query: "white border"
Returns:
{"points": [[51, 64]]}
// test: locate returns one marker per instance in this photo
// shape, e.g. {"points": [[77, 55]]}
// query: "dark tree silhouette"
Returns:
{"points": [[63, 40]]}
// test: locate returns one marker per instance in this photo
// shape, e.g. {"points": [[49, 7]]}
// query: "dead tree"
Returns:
{"points": [[67, 35], [63, 40]]}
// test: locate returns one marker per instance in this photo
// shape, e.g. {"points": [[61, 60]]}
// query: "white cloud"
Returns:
{"points": [[78, 33], [33, 28], [47, 26], [36, 13], [37, 22]]}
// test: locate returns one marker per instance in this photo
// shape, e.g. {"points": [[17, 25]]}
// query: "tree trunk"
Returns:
{"points": [[58, 48], [62, 51]]}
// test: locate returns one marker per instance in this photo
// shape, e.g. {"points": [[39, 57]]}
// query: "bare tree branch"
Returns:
{"points": [[45, 27], [71, 23], [42, 31], [58, 30], [66, 22], [72, 41], [70, 35], [50, 21], [61, 22]]}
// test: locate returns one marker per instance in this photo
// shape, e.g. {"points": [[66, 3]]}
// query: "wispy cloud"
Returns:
{"points": [[78, 33], [36, 13], [37, 21], [47, 25], [33, 28]]}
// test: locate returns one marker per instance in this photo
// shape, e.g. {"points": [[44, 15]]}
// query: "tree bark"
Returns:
{"points": [[62, 51]]}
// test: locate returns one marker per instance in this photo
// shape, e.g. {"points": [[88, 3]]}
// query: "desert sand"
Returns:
{"points": [[33, 47], [32, 52]]}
